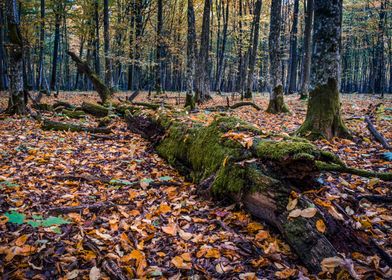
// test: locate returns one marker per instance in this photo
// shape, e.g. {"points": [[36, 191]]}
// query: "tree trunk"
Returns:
{"points": [[323, 118], [292, 75], [254, 48], [96, 52], [106, 38], [262, 176], [159, 50], [3, 64], [40, 72], [221, 57], [53, 80], [191, 54], [202, 85], [17, 101], [104, 92], [379, 82], [304, 92], [276, 103]]}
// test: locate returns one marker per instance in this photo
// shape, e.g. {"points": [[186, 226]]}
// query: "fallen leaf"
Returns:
{"points": [[320, 225], [170, 229]]}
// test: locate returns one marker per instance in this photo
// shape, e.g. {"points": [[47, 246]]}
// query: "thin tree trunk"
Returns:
{"points": [[97, 60], [3, 64], [221, 58], [307, 49], [106, 38], [159, 49], [40, 73], [202, 78], [276, 103], [53, 80], [253, 51], [191, 53], [379, 82], [292, 75]]}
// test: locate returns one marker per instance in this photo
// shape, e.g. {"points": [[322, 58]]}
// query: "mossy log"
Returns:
{"points": [[95, 109], [74, 114], [61, 126], [43, 107], [263, 174]]}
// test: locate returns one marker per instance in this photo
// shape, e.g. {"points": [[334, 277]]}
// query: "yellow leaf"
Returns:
{"points": [[213, 253], [261, 235], [320, 225], [21, 240], [308, 212], [253, 227], [285, 274], [170, 229], [186, 257], [292, 204], [164, 208], [178, 262]]}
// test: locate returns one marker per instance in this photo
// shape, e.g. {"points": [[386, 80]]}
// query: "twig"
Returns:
{"points": [[377, 134], [74, 209]]}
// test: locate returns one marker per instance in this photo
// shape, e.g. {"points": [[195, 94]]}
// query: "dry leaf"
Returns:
{"points": [[308, 212], [320, 225], [170, 229], [295, 213], [95, 273]]}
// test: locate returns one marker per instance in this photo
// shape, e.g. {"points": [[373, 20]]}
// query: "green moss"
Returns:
{"points": [[229, 179], [280, 150]]}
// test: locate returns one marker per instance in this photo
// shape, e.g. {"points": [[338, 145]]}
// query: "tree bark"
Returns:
{"points": [[253, 49], [202, 85], [262, 175], [379, 82], [159, 49], [323, 118], [53, 80], [3, 64], [191, 54], [106, 38], [292, 73], [306, 62], [96, 51], [104, 92], [17, 100], [276, 103]]}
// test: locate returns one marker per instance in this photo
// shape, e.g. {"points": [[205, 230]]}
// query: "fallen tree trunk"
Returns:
{"points": [[377, 134], [230, 159], [60, 126], [104, 92], [95, 109]]}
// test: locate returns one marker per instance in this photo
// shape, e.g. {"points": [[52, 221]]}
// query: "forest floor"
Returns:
{"points": [[138, 214]]}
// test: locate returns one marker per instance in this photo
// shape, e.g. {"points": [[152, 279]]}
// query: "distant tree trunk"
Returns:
{"points": [[131, 36], [323, 118], [159, 50], [17, 101], [106, 38], [53, 80], [292, 75], [221, 53], [97, 60], [379, 82], [3, 64], [202, 78], [241, 59], [307, 49], [276, 103], [191, 55], [40, 71], [137, 75], [254, 48]]}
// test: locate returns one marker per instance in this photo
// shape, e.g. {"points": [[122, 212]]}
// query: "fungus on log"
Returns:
{"points": [[233, 159]]}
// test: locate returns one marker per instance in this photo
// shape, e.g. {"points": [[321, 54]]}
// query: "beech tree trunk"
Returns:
{"points": [[159, 49], [262, 176], [292, 73], [191, 53], [53, 80], [304, 92], [3, 64], [202, 85], [276, 103], [253, 49], [17, 101], [324, 118], [106, 37]]}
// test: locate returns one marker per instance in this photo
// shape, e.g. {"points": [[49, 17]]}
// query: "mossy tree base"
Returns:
{"points": [[323, 119], [262, 176], [276, 104]]}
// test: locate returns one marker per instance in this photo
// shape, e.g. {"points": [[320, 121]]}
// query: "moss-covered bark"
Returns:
{"points": [[276, 104], [60, 126], [95, 109], [323, 118], [261, 176]]}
